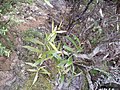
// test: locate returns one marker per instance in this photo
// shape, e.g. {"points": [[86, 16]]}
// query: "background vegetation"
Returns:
{"points": [[80, 39]]}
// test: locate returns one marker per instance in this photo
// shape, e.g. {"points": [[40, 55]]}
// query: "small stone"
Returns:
{"points": [[22, 71], [22, 65], [13, 64], [31, 18]]}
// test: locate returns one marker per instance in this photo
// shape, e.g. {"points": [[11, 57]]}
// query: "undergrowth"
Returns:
{"points": [[6, 8], [48, 50]]}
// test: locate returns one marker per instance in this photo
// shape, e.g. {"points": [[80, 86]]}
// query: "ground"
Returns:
{"points": [[97, 32]]}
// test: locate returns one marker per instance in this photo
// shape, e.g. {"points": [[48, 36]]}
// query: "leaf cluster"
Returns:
{"points": [[48, 49]]}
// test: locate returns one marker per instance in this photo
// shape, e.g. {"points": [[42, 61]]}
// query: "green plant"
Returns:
{"points": [[6, 6], [46, 48], [4, 51], [3, 31], [5, 37], [75, 46], [48, 3]]}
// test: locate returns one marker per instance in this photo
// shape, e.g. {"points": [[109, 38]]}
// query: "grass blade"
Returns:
{"points": [[32, 49], [53, 46], [48, 3], [35, 78], [68, 48], [72, 41]]}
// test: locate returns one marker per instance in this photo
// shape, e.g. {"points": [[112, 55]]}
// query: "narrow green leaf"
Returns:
{"points": [[69, 63], [32, 49], [103, 71], [65, 53], [44, 71], [67, 70], [35, 41], [53, 46], [48, 47], [68, 48], [40, 61], [55, 29], [62, 78], [50, 52], [32, 70], [31, 64], [52, 37], [58, 46], [76, 38], [73, 42], [57, 56], [35, 78], [62, 63], [48, 3], [60, 31], [60, 25]]}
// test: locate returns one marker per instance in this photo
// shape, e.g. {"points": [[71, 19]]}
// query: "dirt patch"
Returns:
{"points": [[32, 23], [4, 64]]}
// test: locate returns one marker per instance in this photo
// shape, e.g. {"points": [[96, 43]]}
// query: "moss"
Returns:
{"points": [[41, 84]]}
